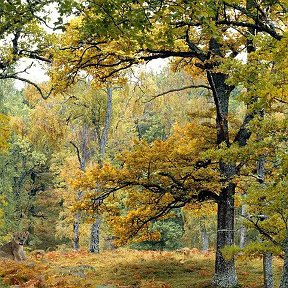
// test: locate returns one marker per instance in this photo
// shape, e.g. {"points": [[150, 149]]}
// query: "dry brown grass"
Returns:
{"points": [[125, 269]]}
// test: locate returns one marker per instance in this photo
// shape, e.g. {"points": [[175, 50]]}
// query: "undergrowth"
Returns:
{"points": [[124, 269]]}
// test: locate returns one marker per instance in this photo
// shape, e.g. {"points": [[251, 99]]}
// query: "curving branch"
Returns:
{"points": [[77, 151], [38, 88], [165, 210], [177, 90], [262, 231], [257, 25]]}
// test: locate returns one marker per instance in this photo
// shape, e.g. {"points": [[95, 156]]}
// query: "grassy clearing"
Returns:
{"points": [[125, 269]]}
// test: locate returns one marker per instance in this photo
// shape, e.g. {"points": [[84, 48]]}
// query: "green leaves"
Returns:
{"points": [[5, 132]]}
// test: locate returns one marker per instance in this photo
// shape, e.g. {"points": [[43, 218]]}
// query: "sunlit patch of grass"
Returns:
{"points": [[251, 275], [126, 269]]}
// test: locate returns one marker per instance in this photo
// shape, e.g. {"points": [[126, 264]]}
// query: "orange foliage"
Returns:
{"points": [[153, 178]]}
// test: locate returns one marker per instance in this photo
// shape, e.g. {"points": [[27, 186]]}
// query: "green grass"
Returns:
{"points": [[2, 285], [127, 269]]}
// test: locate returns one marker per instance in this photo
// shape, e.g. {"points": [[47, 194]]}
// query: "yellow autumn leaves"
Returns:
{"points": [[152, 178]]}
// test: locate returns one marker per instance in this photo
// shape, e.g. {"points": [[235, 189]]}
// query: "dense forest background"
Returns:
{"points": [[42, 156]]}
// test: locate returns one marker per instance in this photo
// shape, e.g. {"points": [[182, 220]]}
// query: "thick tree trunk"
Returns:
{"points": [[268, 270], [284, 276], [225, 272], [204, 236]]}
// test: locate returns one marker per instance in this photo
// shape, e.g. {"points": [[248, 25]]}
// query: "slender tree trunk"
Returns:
{"points": [[284, 276], [204, 235], [104, 136], [76, 226], [267, 256], [76, 231], [243, 229], [94, 246], [83, 155], [102, 139]]}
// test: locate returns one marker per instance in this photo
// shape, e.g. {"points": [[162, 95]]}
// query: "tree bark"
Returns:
{"points": [[284, 275], [94, 237], [83, 156], [76, 226], [268, 270], [103, 139], [225, 272]]}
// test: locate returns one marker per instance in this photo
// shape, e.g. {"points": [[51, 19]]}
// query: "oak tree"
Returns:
{"points": [[111, 36]]}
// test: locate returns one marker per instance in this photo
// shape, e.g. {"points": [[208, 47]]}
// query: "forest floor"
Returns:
{"points": [[125, 269]]}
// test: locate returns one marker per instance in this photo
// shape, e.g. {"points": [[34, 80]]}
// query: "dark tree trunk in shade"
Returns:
{"points": [[225, 272]]}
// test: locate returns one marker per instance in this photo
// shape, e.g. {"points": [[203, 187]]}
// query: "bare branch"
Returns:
{"points": [[34, 55], [100, 198], [179, 89], [16, 77], [261, 230], [173, 205]]}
